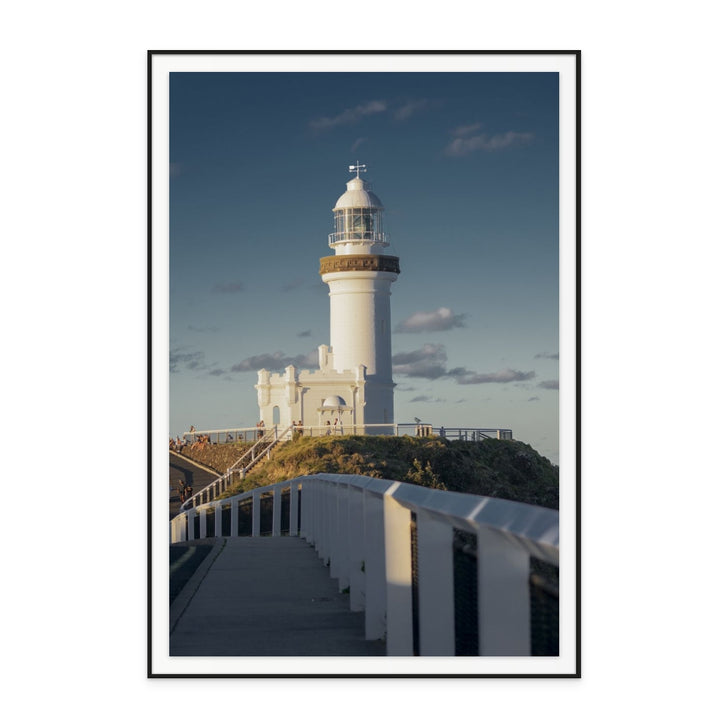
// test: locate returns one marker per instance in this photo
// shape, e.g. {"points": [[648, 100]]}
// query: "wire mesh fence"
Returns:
{"points": [[544, 609]]}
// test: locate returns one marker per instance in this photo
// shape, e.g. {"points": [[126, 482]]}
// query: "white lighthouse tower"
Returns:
{"points": [[352, 390], [359, 276]]}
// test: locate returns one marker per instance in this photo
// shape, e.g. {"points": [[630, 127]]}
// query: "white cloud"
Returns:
{"points": [[191, 360], [427, 362], [277, 361], [409, 108], [462, 145], [441, 320], [350, 115], [464, 377], [554, 385], [464, 130]]}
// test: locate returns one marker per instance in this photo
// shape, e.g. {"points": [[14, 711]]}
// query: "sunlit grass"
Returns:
{"points": [[504, 469]]}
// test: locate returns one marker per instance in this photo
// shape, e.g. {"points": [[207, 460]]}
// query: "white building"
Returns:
{"points": [[353, 385]]}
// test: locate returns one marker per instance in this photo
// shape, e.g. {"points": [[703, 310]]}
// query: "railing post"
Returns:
{"points": [[324, 518], [339, 558], [256, 513], [306, 517], [503, 596], [312, 519], [398, 572], [191, 523], [277, 509], [203, 522], [218, 519], [234, 517], [294, 520], [436, 600], [356, 549], [375, 581]]}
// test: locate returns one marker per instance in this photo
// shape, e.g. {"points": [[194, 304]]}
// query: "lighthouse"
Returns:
{"points": [[359, 277], [353, 387]]}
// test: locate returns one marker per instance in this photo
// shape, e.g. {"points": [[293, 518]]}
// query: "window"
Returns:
{"points": [[357, 224]]}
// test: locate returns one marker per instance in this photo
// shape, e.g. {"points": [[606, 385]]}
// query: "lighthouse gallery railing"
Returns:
{"points": [[390, 545]]}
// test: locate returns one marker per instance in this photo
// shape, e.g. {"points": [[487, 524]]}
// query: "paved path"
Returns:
{"points": [[266, 596]]}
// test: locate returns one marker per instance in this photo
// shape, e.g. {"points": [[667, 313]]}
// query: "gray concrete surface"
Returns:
{"points": [[266, 596]]}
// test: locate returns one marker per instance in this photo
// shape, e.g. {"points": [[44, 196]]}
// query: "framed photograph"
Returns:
{"points": [[363, 295]]}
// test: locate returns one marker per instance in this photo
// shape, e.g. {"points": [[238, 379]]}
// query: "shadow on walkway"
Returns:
{"points": [[265, 596]]}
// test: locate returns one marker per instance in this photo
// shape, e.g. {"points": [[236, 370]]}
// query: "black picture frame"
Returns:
{"points": [[154, 668]]}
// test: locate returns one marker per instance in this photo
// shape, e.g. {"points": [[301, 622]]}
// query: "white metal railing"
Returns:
{"points": [[343, 428], [361, 528], [226, 436], [259, 450], [358, 237]]}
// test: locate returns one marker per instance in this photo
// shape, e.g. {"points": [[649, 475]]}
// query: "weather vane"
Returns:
{"points": [[358, 168]]}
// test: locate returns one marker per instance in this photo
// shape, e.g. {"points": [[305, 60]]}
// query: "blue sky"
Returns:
{"points": [[466, 165]]}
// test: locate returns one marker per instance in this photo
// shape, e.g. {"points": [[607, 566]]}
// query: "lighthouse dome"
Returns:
{"points": [[358, 195]]}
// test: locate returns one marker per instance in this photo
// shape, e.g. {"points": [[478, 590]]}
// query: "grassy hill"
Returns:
{"points": [[504, 469]]}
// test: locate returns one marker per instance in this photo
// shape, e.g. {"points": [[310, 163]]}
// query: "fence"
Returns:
{"points": [[228, 436], [394, 547], [253, 434]]}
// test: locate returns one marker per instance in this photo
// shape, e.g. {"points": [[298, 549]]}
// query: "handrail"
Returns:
{"points": [[217, 486], [240, 433], [361, 528], [466, 433]]}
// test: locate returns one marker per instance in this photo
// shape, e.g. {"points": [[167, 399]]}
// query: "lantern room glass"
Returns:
{"points": [[358, 224]]}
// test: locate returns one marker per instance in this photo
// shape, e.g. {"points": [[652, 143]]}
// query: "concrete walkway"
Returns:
{"points": [[265, 596]]}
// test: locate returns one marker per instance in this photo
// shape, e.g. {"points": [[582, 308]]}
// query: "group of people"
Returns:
{"points": [[335, 427], [200, 442], [184, 490]]}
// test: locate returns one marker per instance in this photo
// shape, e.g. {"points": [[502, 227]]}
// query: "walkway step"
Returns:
{"points": [[270, 596]]}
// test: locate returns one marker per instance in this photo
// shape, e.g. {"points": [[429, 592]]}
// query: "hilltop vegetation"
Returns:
{"points": [[504, 469]]}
